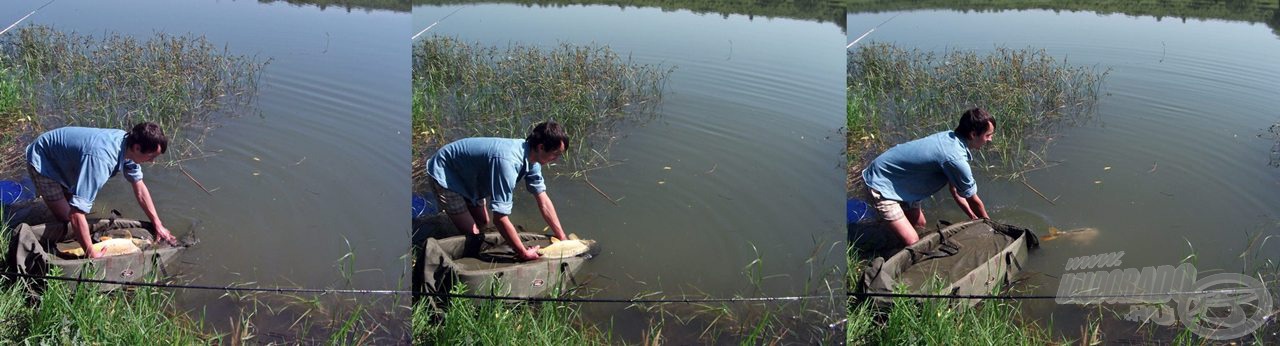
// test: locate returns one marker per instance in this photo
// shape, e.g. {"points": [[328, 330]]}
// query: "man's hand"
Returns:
{"points": [[93, 253], [163, 235], [530, 254]]}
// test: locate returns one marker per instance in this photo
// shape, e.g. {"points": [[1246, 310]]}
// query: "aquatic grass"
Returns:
{"points": [[15, 116], [494, 322], [764, 322], [184, 83], [897, 94], [1274, 133], [941, 322], [463, 89], [72, 314], [69, 315], [935, 321]]}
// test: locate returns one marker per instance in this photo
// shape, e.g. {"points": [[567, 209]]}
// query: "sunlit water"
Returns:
{"points": [[319, 172], [1172, 165], [744, 160]]}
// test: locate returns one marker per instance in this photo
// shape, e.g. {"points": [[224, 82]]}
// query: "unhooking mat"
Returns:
{"points": [[33, 250], [969, 258], [490, 263]]}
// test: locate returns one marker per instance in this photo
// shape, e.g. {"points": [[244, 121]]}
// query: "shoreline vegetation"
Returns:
{"points": [[1252, 11], [68, 314], [821, 11], [50, 78], [349, 5], [465, 89], [895, 95], [494, 322]]}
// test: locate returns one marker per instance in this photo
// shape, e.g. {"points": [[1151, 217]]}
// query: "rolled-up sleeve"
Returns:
{"points": [[533, 182], [132, 171], [501, 184], [961, 176], [94, 172]]}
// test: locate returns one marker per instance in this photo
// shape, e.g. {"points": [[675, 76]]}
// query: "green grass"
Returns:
{"points": [[465, 89], [494, 322], [14, 117], [936, 321], [897, 95], [67, 314], [183, 83]]}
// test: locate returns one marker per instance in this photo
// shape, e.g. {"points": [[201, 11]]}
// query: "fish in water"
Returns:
{"points": [[1081, 236], [565, 248], [109, 247]]}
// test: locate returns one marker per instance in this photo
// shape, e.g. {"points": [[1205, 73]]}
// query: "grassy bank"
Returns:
{"points": [[67, 314], [487, 322], [464, 89], [897, 94], [936, 321], [492, 322], [183, 83]]}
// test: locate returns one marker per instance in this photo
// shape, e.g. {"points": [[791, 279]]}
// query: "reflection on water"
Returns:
{"points": [[348, 5], [1173, 165], [301, 190], [742, 163], [1252, 11], [808, 10]]}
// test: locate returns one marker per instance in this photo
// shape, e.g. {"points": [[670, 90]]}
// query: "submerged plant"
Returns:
{"points": [[470, 90], [896, 95], [183, 83]]}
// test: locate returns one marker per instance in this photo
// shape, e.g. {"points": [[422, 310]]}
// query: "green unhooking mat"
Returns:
{"points": [[968, 258], [488, 262], [34, 250]]}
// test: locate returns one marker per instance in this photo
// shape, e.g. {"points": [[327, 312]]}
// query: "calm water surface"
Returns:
{"points": [[748, 128], [1178, 125], [319, 173]]}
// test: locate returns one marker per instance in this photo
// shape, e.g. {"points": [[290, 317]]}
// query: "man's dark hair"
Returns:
{"points": [[974, 121], [549, 134], [148, 135]]}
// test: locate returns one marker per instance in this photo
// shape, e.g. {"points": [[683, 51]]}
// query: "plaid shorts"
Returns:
{"points": [[49, 189], [450, 201]]}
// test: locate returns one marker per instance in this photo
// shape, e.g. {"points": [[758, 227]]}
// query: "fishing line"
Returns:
{"points": [[855, 41], [415, 36], [417, 294], [1007, 297], [25, 17]]}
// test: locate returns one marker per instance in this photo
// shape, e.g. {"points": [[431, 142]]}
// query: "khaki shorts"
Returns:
{"points": [[49, 189], [450, 201], [890, 210]]}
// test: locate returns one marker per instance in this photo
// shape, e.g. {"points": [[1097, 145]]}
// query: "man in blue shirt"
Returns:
{"points": [[908, 173], [69, 165], [469, 171]]}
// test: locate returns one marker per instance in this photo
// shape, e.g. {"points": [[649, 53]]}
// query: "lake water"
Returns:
{"points": [[1178, 124], [298, 186], [744, 160]]}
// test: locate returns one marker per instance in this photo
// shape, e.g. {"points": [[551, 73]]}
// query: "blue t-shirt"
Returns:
{"points": [[82, 159], [915, 170], [478, 168]]}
